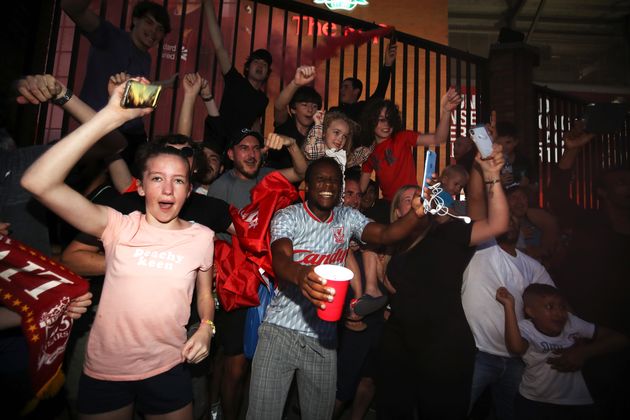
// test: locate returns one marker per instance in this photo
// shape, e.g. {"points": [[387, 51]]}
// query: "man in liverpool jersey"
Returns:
{"points": [[292, 339]]}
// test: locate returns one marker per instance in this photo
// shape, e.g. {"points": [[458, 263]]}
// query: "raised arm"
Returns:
{"points": [[498, 211], [216, 37], [314, 146], [574, 141], [475, 191], [514, 342], [448, 103], [386, 72], [41, 88], [379, 234], [81, 15], [192, 86], [208, 99], [296, 172], [303, 76], [45, 178]]}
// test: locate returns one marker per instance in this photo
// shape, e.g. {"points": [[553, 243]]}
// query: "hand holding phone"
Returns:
{"points": [[429, 169], [482, 139], [139, 95]]}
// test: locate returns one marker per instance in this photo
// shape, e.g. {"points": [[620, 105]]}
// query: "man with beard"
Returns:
{"points": [[292, 338], [497, 264], [234, 186]]}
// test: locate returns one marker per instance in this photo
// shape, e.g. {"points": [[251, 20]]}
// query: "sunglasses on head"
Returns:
{"points": [[185, 151]]}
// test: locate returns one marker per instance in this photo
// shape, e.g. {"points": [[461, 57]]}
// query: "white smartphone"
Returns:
{"points": [[482, 139]]}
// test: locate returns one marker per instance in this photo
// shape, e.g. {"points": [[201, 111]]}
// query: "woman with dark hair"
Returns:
{"points": [[137, 346]]}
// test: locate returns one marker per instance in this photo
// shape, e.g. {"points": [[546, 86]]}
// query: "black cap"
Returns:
{"points": [[261, 54], [238, 136]]}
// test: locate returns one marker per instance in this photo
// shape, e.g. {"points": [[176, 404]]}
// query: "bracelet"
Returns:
{"points": [[492, 181], [208, 99], [61, 101], [212, 327]]}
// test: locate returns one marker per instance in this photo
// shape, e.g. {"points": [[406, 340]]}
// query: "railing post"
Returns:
{"points": [[510, 72]]}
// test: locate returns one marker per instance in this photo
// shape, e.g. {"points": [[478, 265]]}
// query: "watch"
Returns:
{"points": [[61, 100], [212, 327]]}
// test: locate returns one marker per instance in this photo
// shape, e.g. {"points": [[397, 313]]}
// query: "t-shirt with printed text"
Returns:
{"points": [[315, 242], [139, 330], [541, 382]]}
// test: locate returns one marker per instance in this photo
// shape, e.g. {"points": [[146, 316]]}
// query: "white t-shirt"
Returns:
{"points": [[541, 382], [489, 269]]}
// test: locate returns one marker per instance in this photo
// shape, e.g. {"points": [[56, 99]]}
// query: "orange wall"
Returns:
{"points": [[423, 18]]}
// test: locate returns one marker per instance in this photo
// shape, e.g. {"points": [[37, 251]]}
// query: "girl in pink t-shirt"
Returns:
{"points": [[138, 342]]}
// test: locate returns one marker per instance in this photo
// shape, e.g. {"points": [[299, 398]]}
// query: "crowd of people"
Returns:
{"points": [[517, 312]]}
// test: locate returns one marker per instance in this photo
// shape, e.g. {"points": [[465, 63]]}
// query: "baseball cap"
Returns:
{"points": [[261, 54], [239, 135]]}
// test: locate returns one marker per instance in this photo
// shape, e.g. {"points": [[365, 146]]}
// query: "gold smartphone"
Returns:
{"points": [[139, 95]]}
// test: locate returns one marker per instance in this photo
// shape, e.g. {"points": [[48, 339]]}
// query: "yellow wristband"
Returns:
{"points": [[212, 327]]}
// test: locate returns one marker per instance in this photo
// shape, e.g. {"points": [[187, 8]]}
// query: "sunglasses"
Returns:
{"points": [[185, 151]]}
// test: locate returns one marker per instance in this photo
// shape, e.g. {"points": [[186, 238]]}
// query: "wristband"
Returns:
{"points": [[492, 181], [61, 101], [208, 99], [212, 327]]}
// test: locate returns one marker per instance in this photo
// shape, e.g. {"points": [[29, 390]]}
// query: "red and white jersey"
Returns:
{"points": [[315, 242]]}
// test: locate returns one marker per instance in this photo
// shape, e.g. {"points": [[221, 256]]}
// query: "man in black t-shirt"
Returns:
{"points": [[244, 102], [351, 88], [294, 109]]}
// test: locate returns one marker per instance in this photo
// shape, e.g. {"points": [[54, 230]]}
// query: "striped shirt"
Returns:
{"points": [[315, 242]]}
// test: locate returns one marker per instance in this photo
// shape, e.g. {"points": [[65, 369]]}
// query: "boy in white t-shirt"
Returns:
{"points": [[554, 345]]}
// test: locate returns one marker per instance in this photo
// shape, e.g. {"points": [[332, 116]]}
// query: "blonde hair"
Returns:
{"points": [[396, 200], [353, 127]]}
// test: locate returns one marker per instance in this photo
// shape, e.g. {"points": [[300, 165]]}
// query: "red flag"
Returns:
{"points": [[40, 290], [238, 277]]}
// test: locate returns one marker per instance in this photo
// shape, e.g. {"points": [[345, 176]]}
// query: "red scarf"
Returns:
{"points": [[39, 290], [238, 275]]}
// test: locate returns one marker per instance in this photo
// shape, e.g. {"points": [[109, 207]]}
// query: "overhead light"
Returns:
{"points": [[341, 4]]}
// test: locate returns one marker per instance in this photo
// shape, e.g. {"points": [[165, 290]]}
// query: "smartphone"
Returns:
{"points": [[429, 169], [447, 199], [480, 136], [139, 95]]}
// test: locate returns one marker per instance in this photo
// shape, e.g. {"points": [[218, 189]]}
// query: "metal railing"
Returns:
{"points": [[556, 113], [290, 30]]}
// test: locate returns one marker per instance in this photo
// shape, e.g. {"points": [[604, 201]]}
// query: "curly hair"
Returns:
{"points": [[370, 116]]}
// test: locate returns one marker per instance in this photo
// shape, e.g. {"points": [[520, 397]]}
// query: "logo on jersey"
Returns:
{"points": [[338, 234], [310, 258], [250, 218]]}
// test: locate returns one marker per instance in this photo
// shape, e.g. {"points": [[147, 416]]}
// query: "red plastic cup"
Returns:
{"points": [[338, 278]]}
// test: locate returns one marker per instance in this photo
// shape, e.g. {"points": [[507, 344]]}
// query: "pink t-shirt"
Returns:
{"points": [[140, 325]]}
